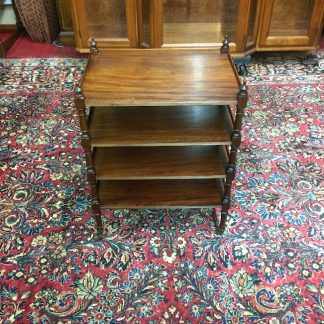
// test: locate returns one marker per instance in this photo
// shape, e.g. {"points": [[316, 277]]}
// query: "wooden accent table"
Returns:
{"points": [[160, 132]]}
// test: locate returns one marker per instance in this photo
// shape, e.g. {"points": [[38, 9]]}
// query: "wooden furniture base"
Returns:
{"points": [[160, 132]]}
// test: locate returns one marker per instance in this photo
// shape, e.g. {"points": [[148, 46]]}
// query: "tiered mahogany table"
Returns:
{"points": [[160, 132]]}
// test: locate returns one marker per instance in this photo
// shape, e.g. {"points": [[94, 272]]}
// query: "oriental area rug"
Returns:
{"points": [[162, 266]]}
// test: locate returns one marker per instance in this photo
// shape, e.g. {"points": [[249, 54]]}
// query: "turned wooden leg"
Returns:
{"points": [[97, 214], [91, 175], [226, 202], [242, 97], [86, 145]]}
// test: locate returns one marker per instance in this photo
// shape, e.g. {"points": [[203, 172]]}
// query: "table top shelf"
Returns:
{"points": [[160, 77]]}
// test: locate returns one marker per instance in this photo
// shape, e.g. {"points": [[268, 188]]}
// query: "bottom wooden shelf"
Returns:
{"points": [[200, 193]]}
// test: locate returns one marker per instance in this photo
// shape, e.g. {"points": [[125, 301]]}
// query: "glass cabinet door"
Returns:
{"points": [[199, 21], [193, 23], [288, 20], [100, 12], [290, 24], [111, 23]]}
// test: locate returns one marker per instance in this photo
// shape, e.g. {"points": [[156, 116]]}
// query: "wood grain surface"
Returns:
{"points": [[160, 193], [120, 163], [135, 77], [160, 126]]}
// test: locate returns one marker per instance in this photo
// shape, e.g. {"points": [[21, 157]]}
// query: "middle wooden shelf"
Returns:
{"points": [[160, 126]]}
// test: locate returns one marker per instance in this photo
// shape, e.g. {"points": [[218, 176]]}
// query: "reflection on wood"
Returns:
{"points": [[207, 11], [182, 33], [159, 77]]}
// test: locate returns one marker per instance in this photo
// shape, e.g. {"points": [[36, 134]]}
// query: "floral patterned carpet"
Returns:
{"points": [[164, 266]]}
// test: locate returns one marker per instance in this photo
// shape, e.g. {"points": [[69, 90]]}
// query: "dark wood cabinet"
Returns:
{"points": [[290, 26], [251, 25]]}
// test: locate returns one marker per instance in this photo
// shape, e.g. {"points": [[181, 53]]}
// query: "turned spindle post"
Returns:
{"points": [[86, 145], [242, 98]]}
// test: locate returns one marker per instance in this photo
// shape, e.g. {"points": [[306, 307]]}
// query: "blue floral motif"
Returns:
{"points": [[59, 219], [234, 316], [80, 204], [210, 286], [268, 212], [156, 298], [127, 288], [226, 299], [195, 310], [109, 297], [144, 310], [186, 298], [100, 315], [136, 274], [298, 220], [243, 198], [278, 178], [256, 183], [32, 229], [201, 273]]}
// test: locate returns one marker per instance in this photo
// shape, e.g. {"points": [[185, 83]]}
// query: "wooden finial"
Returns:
{"points": [[93, 46], [225, 47]]}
